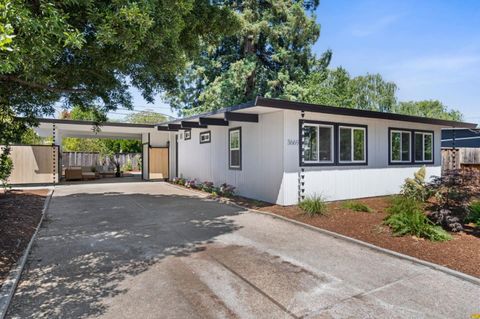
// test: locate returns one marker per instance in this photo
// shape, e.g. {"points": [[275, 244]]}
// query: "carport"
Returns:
{"points": [[156, 150]]}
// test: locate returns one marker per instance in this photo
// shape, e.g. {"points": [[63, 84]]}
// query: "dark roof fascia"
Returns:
{"points": [[317, 108], [81, 122]]}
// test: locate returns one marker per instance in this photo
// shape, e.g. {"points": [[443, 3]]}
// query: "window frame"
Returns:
{"points": [[208, 133], [189, 135], [239, 167], [412, 133], [423, 133], [352, 128], [332, 143], [335, 144], [390, 148]]}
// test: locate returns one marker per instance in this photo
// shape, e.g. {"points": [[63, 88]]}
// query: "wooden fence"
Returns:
{"points": [[92, 159], [460, 158]]}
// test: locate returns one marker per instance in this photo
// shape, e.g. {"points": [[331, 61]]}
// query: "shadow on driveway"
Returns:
{"points": [[89, 243]]}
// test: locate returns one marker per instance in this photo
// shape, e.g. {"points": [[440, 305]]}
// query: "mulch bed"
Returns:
{"points": [[462, 253], [20, 213]]}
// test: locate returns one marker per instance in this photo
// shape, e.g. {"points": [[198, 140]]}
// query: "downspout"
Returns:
{"points": [[301, 173]]}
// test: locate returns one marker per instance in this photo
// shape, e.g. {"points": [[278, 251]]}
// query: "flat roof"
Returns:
{"points": [[262, 103], [93, 123]]}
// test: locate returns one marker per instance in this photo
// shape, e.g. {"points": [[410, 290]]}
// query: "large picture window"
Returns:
{"points": [[317, 143], [352, 144], [400, 148], [423, 147], [235, 148]]}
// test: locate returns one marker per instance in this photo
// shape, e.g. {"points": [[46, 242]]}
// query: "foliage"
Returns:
{"points": [[206, 187], [227, 190], [6, 167], [416, 187], [454, 190], [474, 213], [407, 218], [428, 108], [357, 206], [179, 181], [191, 183], [127, 167], [146, 117], [313, 205], [30, 137], [337, 88], [271, 48]]}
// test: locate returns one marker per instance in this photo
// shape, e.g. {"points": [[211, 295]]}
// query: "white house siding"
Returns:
{"points": [[262, 160], [346, 182]]}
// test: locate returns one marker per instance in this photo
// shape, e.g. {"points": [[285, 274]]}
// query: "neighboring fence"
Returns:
{"points": [[34, 164], [92, 159], [461, 157]]}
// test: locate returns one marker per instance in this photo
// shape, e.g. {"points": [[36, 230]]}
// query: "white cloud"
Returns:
{"points": [[368, 29]]}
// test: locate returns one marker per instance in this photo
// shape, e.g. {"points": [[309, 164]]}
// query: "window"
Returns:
{"points": [[317, 143], [235, 148], [205, 137], [423, 147], [400, 150], [352, 144], [188, 134]]}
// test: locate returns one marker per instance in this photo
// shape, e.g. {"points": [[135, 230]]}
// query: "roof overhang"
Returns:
{"points": [[265, 105], [90, 129]]}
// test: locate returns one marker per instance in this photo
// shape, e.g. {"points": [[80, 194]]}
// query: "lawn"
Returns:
{"points": [[20, 212]]}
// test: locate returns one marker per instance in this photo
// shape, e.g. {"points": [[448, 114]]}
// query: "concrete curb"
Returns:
{"points": [[8, 289], [428, 264]]}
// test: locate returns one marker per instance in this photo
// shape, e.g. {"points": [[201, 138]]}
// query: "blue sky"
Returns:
{"points": [[431, 49]]}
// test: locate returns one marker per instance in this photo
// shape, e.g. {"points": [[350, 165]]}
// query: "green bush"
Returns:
{"points": [[416, 187], [474, 213], [406, 217], [313, 205], [356, 206]]}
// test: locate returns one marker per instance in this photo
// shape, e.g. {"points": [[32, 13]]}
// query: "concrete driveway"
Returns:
{"points": [[149, 250]]}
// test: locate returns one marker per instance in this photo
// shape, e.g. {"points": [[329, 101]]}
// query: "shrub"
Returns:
{"points": [[453, 191], [407, 218], [191, 183], [313, 205], [207, 187], [227, 190], [6, 167], [357, 206], [179, 181], [474, 213], [127, 167], [416, 187]]}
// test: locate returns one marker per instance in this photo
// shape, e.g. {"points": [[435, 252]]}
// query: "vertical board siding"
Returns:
{"points": [[92, 159], [460, 157], [33, 164]]}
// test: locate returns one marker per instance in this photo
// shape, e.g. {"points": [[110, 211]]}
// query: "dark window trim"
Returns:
{"points": [[241, 146], [185, 135], [336, 145], [412, 147], [209, 137], [353, 163]]}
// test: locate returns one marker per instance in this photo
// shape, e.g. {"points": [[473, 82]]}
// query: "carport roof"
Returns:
{"points": [[264, 105]]}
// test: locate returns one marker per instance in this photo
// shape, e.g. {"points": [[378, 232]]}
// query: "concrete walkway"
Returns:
{"points": [[149, 250]]}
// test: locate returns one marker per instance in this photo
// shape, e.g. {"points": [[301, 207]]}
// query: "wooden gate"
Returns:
{"points": [[158, 162]]}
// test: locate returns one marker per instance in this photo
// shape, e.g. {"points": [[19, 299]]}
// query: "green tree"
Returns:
{"points": [[428, 108], [271, 48], [89, 53], [146, 117], [336, 88]]}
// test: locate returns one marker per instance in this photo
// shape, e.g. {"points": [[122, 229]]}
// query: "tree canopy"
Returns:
{"points": [[146, 117], [271, 48], [428, 108]]}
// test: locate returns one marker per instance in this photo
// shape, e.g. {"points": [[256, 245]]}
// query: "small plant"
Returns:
{"points": [[6, 167], [227, 190], [191, 183], [313, 205], [357, 206], [416, 187], [407, 218], [179, 181], [207, 187], [474, 213], [128, 166]]}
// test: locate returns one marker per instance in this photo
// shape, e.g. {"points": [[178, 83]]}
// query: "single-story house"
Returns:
{"points": [[281, 151]]}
